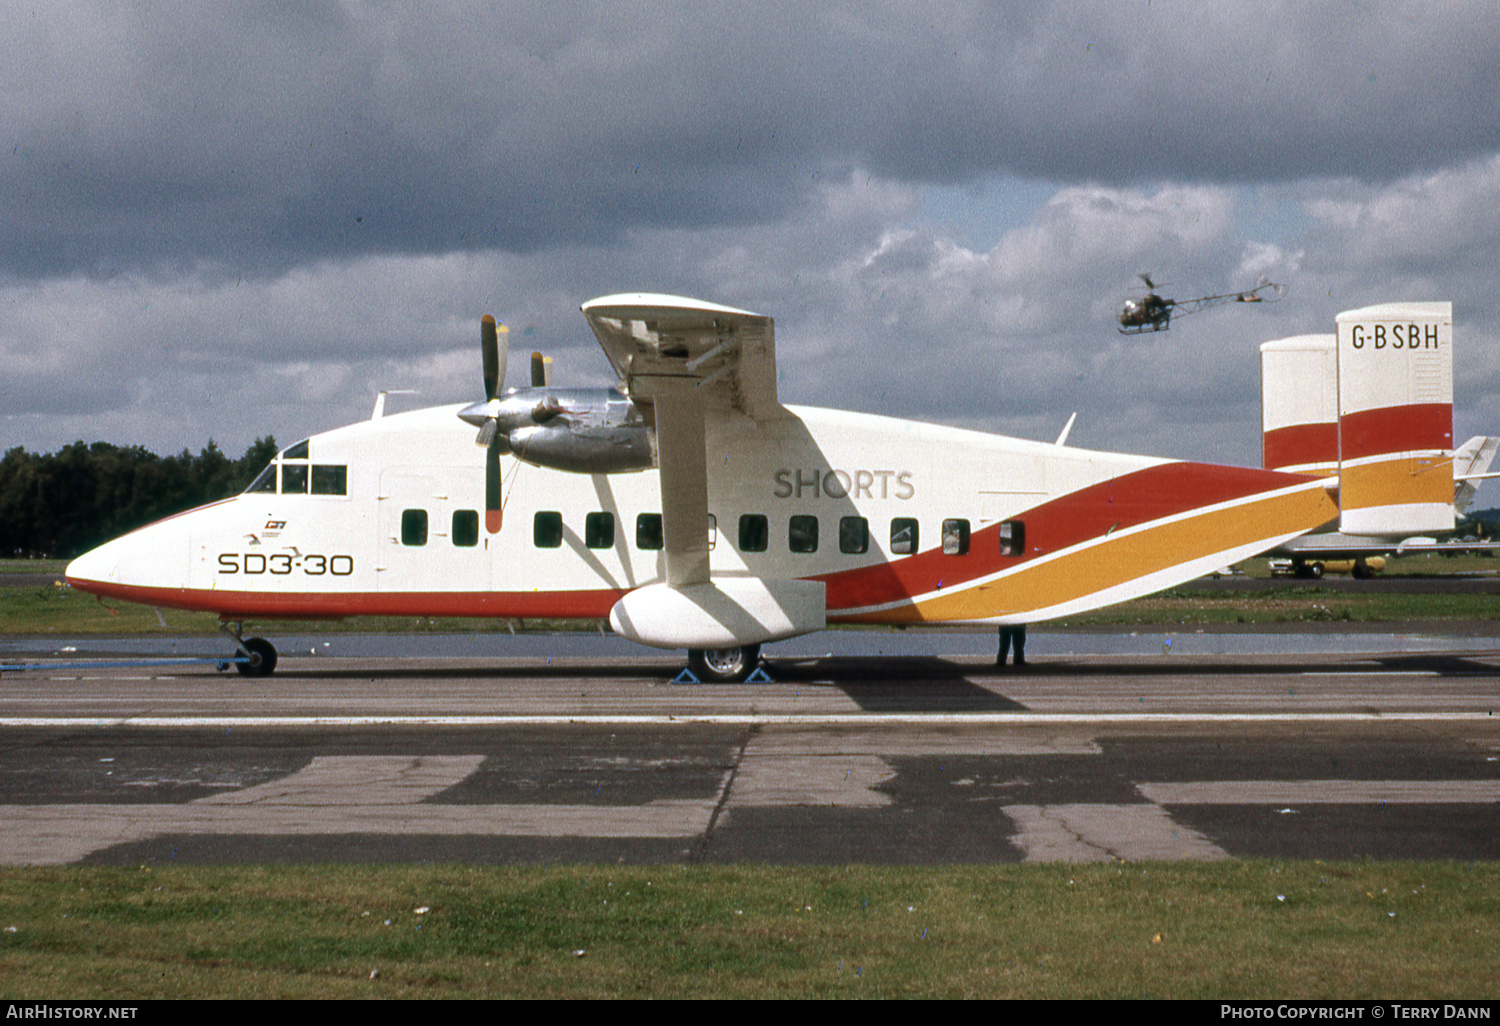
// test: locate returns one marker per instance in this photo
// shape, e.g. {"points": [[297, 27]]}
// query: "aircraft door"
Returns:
{"points": [[430, 533]]}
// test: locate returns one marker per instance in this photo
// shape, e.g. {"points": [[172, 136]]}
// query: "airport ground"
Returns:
{"points": [[861, 747]]}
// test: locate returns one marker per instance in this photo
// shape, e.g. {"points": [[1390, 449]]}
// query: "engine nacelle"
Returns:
{"points": [[582, 449], [581, 430]]}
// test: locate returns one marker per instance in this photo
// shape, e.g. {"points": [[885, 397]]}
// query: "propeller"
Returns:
{"points": [[496, 444]]}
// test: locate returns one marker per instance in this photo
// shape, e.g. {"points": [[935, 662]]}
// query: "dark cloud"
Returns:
{"points": [[260, 136]]}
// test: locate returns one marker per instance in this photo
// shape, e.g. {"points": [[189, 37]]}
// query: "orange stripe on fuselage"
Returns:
{"points": [[1106, 559]]}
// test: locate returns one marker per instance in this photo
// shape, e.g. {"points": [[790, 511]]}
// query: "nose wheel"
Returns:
{"points": [[258, 654]]}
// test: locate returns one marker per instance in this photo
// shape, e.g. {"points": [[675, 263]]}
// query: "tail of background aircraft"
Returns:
{"points": [[1471, 461], [1374, 405]]}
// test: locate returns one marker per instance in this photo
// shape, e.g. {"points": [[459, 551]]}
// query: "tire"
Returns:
{"points": [[724, 665], [1315, 570], [262, 659]]}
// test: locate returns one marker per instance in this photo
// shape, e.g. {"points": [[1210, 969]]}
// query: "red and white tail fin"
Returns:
{"points": [[1395, 412], [1299, 405]]}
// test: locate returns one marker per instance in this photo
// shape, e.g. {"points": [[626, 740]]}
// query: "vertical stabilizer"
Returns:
{"points": [[1395, 374], [1299, 405], [1471, 461]]}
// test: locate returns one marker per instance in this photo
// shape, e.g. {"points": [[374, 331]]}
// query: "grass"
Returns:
{"points": [[1241, 929], [28, 610]]}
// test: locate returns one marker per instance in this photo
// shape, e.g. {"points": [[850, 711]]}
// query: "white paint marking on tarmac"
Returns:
{"points": [[1102, 833], [367, 779], [741, 719], [1324, 792]]}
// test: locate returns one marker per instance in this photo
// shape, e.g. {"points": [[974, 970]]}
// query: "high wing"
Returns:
{"points": [[681, 359], [727, 355]]}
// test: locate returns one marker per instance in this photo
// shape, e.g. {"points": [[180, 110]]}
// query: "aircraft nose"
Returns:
{"points": [[97, 566]]}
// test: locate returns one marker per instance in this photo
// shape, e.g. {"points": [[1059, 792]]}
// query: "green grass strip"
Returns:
{"points": [[1234, 929]]}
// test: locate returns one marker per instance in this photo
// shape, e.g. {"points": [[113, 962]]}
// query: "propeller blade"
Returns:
{"points": [[487, 433], [541, 370], [492, 484], [494, 344]]}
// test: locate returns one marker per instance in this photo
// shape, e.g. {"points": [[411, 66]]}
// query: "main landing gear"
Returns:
{"points": [[260, 654], [724, 665]]}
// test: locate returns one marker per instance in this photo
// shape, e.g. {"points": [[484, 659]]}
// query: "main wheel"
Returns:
{"points": [[724, 665], [262, 659]]}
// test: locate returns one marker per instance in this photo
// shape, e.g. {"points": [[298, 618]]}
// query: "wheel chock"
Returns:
{"points": [[760, 676]]}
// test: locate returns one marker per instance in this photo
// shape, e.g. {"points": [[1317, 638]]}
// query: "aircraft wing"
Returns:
{"points": [[727, 356], [682, 359]]}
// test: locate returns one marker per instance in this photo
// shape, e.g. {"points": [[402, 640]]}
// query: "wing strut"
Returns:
{"points": [[680, 440]]}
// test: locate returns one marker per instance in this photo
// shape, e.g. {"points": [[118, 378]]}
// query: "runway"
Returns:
{"points": [[1380, 746]]}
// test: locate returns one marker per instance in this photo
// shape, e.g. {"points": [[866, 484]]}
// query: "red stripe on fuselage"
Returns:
{"points": [[233, 605], [1116, 504]]}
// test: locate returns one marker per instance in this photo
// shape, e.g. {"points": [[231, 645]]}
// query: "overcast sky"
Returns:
{"points": [[236, 219]]}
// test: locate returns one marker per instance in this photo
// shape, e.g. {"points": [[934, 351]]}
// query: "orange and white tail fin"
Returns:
{"points": [[1372, 404], [1395, 373]]}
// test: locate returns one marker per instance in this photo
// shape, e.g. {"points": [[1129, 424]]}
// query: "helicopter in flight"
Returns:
{"points": [[1153, 313]]}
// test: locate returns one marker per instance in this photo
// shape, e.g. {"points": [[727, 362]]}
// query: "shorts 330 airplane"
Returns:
{"points": [[692, 510]]}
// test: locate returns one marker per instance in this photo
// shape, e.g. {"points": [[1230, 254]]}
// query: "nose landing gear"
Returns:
{"points": [[259, 654]]}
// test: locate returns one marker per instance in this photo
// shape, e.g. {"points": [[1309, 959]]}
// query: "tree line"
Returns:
{"points": [[62, 504]]}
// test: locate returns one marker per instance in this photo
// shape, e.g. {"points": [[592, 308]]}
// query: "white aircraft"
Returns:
{"points": [[1306, 409], [692, 510]]}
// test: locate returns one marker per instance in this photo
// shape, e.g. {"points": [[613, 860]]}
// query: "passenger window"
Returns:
{"points": [[414, 527], [903, 536], [854, 535], [599, 530], [713, 531], [1012, 538], [294, 479], [802, 534], [648, 531], [547, 530], [955, 537], [465, 526], [755, 532], [330, 480]]}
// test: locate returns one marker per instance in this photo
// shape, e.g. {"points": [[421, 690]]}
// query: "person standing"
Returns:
{"points": [[1014, 633]]}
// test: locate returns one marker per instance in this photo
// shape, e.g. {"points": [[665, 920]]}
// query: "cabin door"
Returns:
{"points": [[431, 535]]}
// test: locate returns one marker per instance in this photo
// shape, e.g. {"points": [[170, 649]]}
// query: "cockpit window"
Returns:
{"points": [[296, 452], [328, 480], [300, 478], [266, 482]]}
